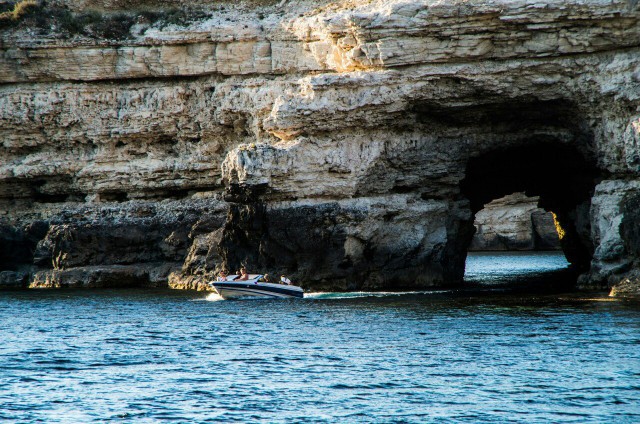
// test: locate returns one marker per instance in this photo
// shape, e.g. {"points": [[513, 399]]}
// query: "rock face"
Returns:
{"points": [[514, 222], [135, 243], [347, 144]]}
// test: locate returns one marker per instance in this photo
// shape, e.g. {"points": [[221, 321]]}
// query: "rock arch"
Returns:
{"points": [[367, 125], [559, 174]]}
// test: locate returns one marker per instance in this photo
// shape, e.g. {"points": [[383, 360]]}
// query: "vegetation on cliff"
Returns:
{"points": [[65, 23]]}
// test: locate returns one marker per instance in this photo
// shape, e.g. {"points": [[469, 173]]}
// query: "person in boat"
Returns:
{"points": [[285, 280], [266, 278], [222, 276], [243, 274]]}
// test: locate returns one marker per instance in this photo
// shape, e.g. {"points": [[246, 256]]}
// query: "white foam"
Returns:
{"points": [[213, 297]]}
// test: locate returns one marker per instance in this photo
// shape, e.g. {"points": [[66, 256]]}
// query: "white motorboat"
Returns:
{"points": [[231, 288]]}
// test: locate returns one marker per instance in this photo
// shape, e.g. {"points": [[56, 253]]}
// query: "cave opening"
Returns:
{"points": [[551, 183], [516, 242]]}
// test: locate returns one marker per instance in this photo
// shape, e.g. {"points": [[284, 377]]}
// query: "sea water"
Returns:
{"points": [[443, 356]]}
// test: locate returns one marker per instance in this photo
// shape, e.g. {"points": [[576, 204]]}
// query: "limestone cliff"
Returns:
{"points": [[348, 144], [514, 222]]}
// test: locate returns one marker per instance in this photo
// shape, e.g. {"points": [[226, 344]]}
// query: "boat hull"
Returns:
{"points": [[248, 289]]}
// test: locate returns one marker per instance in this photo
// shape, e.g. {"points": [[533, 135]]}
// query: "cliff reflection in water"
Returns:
{"points": [[510, 267]]}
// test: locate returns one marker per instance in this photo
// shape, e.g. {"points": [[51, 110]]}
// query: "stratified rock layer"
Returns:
{"points": [[347, 144]]}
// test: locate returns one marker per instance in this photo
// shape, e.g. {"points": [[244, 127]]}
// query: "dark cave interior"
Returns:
{"points": [[559, 174]]}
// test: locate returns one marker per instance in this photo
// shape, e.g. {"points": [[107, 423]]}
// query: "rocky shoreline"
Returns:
{"points": [[348, 144]]}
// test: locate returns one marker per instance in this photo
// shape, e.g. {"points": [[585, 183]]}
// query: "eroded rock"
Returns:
{"points": [[365, 136], [629, 286], [514, 222]]}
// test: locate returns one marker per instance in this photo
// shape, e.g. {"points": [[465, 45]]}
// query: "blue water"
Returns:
{"points": [[494, 267], [446, 356]]}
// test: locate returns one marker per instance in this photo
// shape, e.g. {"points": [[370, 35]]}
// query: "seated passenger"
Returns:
{"points": [[222, 276], [243, 274], [285, 280]]}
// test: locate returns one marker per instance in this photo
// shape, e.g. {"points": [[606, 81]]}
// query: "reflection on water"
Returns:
{"points": [[452, 356], [494, 267], [519, 272]]}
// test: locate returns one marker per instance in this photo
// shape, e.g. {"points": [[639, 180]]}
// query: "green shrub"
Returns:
{"points": [[12, 13], [23, 7], [20, 9]]}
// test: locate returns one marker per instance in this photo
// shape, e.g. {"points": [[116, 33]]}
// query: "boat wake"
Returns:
{"points": [[215, 297], [352, 295]]}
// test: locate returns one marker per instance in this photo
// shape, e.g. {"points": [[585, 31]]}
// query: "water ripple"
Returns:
{"points": [[447, 356]]}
